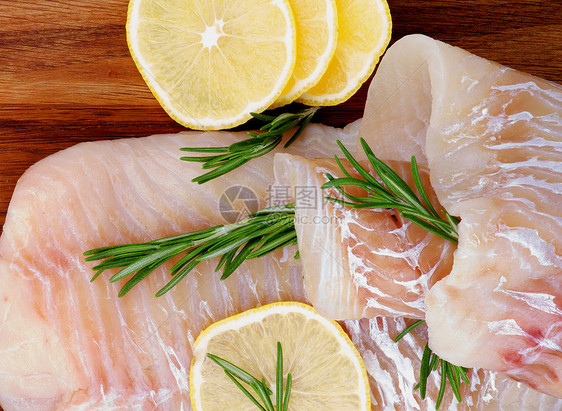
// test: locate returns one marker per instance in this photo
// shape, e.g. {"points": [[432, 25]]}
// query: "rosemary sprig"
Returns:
{"points": [[429, 363], [261, 233], [393, 193], [238, 375], [222, 160]]}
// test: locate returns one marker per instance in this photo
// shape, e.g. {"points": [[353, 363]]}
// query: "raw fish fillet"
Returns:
{"points": [[361, 263], [492, 139], [66, 343]]}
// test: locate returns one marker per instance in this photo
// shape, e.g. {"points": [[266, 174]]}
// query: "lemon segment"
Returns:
{"points": [[210, 63], [364, 32], [317, 30], [327, 371]]}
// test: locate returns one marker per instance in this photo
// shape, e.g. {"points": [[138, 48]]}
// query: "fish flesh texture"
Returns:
{"points": [[492, 140], [361, 263], [393, 369], [66, 343]]}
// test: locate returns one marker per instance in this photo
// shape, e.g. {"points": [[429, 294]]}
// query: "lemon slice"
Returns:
{"points": [[210, 63], [364, 29], [326, 369], [317, 32]]}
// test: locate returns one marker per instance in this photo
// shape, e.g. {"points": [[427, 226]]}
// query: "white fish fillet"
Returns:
{"points": [[492, 138], [66, 343], [361, 263]]}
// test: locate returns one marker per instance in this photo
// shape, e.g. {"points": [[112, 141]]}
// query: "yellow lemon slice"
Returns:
{"points": [[317, 33], [210, 63], [327, 371], [364, 29]]}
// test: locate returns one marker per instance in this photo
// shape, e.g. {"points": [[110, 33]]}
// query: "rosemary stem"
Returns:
{"points": [[279, 378], [408, 329]]}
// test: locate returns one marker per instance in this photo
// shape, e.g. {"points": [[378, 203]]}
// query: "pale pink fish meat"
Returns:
{"points": [[492, 139], [361, 263], [66, 343]]}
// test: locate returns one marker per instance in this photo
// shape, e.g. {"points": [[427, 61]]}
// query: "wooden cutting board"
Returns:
{"points": [[66, 75]]}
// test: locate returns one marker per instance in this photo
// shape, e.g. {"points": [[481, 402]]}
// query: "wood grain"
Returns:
{"points": [[66, 75]]}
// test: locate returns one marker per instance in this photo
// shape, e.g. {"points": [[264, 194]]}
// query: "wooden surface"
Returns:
{"points": [[66, 75]]}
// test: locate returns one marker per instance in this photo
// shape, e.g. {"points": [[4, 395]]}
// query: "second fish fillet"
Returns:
{"points": [[492, 140], [361, 263]]}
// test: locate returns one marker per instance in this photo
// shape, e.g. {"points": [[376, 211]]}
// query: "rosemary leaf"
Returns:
{"points": [[180, 275], [153, 259], [244, 390], [105, 252], [453, 380], [288, 392], [225, 168], [360, 169], [301, 128], [429, 363], [414, 218], [139, 276], [463, 373], [263, 117], [190, 257], [443, 384], [424, 370], [231, 265], [204, 149], [407, 330], [234, 370], [275, 240], [339, 182], [434, 362], [263, 392], [279, 378], [419, 186]]}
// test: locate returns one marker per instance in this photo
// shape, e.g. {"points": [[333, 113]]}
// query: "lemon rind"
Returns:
{"points": [[355, 84], [301, 86]]}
